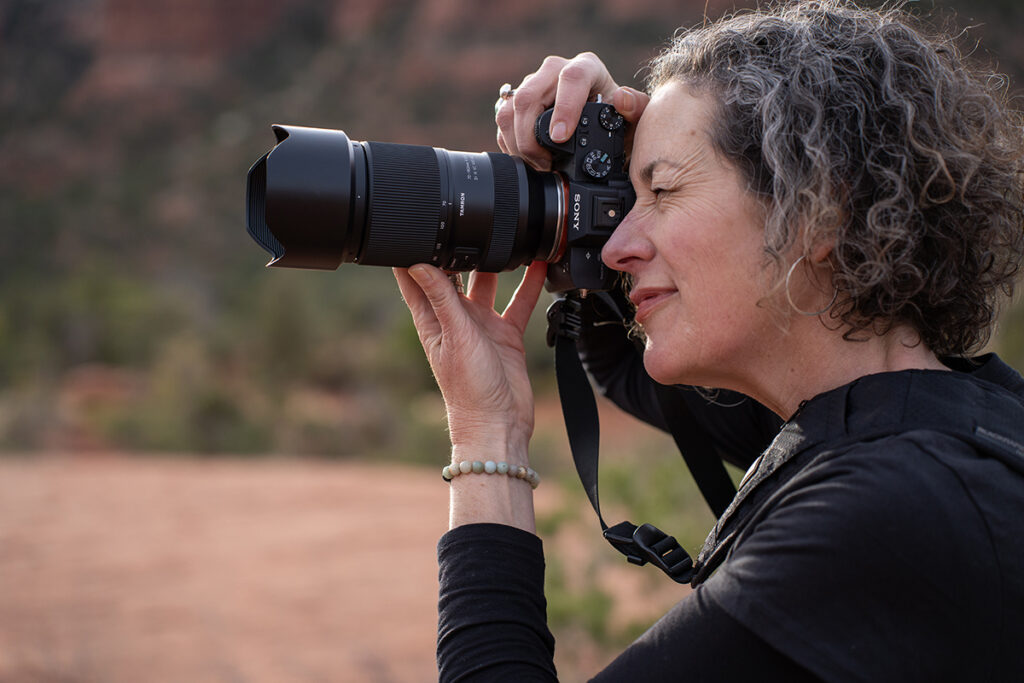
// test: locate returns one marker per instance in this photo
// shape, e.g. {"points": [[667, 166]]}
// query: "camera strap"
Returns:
{"points": [[644, 543]]}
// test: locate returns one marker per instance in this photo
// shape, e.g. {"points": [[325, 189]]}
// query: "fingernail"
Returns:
{"points": [[419, 274], [559, 132]]}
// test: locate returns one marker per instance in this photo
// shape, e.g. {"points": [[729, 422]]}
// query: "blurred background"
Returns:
{"points": [[205, 464]]}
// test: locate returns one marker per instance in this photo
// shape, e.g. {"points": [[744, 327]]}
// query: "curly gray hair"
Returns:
{"points": [[863, 129]]}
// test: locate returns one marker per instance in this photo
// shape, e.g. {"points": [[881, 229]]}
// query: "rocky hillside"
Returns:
{"points": [[128, 129]]}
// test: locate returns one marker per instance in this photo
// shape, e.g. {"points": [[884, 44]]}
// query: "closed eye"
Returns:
{"points": [[660, 193]]}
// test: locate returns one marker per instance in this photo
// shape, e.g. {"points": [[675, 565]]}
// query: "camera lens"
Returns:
{"points": [[318, 199]]}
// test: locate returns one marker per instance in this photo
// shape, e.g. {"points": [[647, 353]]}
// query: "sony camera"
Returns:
{"points": [[319, 199]]}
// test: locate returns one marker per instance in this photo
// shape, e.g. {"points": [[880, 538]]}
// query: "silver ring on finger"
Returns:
{"points": [[505, 92]]}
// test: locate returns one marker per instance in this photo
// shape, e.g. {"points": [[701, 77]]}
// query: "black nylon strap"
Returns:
{"points": [[582, 424], [642, 544]]}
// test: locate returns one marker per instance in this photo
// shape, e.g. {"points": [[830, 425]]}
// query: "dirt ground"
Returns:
{"points": [[120, 568]]}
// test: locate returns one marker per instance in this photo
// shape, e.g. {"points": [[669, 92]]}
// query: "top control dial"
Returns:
{"points": [[610, 119]]}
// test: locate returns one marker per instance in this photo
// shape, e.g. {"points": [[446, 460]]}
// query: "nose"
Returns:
{"points": [[628, 247]]}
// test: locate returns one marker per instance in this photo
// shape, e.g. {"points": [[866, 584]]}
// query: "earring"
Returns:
{"points": [[789, 298]]}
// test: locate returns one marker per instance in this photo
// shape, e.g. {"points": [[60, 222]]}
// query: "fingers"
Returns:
{"points": [[525, 298], [516, 118], [580, 78], [566, 84], [438, 309], [427, 326], [443, 297], [431, 299], [630, 102], [413, 296], [505, 117], [483, 288]]}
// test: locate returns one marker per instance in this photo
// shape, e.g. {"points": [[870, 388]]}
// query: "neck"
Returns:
{"points": [[812, 359]]}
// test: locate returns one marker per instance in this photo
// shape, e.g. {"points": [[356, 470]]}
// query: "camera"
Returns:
{"points": [[318, 199]]}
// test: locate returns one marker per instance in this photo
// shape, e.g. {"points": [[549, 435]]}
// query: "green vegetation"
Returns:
{"points": [[134, 310]]}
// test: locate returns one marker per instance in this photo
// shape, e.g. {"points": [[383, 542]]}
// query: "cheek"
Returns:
{"points": [[714, 321]]}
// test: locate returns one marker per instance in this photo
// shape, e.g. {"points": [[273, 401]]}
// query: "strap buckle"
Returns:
{"points": [[648, 543], [564, 319]]}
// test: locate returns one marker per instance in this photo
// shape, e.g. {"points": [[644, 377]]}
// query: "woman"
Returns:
{"points": [[829, 205]]}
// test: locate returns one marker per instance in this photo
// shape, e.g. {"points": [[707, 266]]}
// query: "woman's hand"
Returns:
{"points": [[567, 84], [477, 356]]}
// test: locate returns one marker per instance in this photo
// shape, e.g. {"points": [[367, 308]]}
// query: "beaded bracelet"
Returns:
{"points": [[456, 469]]}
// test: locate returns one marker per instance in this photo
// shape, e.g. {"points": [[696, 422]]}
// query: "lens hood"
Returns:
{"points": [[299, 198]]}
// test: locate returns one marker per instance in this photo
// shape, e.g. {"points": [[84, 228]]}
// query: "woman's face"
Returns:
{"points": [[693, 244]]}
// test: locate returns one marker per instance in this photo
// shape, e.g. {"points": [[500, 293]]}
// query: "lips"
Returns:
{"points": [[646, 299]]}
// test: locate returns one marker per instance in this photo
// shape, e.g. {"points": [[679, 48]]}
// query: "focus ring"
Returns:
{"points": [[405, 192], [506, 213]]}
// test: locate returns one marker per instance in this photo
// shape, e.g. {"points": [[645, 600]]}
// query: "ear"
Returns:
{"points": [[822, 235], [821, 251]]}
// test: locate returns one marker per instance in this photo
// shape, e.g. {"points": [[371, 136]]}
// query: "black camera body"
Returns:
{"points": [[599, 194], [318, 199]]}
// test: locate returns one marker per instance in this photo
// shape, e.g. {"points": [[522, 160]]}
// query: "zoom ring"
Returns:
{"points": [[405, 191]]}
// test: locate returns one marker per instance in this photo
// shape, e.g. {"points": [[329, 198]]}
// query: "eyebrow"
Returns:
{"points": [[647, 172]]}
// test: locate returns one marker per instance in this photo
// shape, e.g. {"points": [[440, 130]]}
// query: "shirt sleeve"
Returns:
{"points": [[492, 615]]}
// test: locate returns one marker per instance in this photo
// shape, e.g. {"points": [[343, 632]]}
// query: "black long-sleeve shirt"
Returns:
{"points": [[492, 625], [876, 538]]}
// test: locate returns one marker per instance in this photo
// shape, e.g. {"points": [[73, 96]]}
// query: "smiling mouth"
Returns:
{"points": [[646, 300]]}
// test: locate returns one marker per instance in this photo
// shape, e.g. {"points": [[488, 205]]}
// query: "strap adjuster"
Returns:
{"points": [[648, 543], [564, 319]]}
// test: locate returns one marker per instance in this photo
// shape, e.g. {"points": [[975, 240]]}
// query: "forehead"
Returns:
{"points": [[673, 126]]}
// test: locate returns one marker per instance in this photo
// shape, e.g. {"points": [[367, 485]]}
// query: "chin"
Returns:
{"points": [[668, 348], [662, 371], [668, 368]]}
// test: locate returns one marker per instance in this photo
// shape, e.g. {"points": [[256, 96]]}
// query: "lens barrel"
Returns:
{"points": [[318, 199]]}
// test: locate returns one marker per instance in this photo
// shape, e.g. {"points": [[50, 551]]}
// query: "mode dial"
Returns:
{"points": [[597, 163]]}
